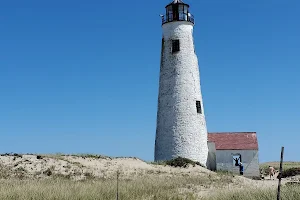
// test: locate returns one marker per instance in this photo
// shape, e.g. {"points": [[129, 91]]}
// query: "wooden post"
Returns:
{"points": [[117, 185], [280, 172]]}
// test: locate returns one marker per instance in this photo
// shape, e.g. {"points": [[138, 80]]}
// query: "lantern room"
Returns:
{"points": [[177, 11]]}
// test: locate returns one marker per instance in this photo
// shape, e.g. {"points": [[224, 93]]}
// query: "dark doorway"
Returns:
{"points": [[237, 159]]}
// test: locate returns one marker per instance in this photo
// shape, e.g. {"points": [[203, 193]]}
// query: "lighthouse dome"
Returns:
{"points": [[177, 1]]}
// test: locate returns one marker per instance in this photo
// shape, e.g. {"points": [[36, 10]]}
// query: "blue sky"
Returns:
{"points": [[82, 76]]}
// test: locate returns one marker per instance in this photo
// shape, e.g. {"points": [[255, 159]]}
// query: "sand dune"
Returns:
{"points": [[80, 167]]}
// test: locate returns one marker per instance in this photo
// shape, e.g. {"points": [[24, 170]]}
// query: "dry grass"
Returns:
{"points": [[276, 165], [287, 193], [148, 183], [288, 168], [145, 187], [95, 189]]}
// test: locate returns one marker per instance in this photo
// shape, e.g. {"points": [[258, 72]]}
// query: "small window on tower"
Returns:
{"points": [[198, 106], [175, 46]]}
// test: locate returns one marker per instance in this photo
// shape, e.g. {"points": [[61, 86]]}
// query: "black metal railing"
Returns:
{"points": [[180, 17]]}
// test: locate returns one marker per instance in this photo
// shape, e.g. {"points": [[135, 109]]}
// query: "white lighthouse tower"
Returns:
{"points": [[181, 127]]}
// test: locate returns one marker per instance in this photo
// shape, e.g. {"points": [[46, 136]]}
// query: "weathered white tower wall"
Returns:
{"points": [[181, 128]]}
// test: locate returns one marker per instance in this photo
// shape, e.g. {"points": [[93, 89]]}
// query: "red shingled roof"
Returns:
{"points": [[234, 140]]}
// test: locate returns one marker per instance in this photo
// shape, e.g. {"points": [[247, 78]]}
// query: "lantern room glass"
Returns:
{"points": [[170, 13], [178, 12]]}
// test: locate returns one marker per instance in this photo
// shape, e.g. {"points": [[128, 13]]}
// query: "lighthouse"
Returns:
{"points": [[181, 127]]}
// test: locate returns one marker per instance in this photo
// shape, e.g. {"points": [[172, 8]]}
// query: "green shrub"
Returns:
{"points": [[290, 172], [182, 162], [93, 156], [48, 172]]}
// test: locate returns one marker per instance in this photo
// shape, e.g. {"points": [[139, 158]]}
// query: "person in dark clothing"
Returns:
{"points": [[241, 169], [236, 161]]}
